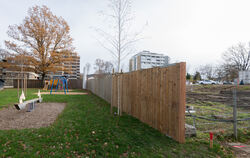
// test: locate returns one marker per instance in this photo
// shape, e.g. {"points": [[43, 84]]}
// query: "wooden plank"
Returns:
{"points": [[182, 103], [158, 99], [154, 99], [165, 99], [174, 102], [147, 97], [170, 85], [142, 94], [161, 100]]}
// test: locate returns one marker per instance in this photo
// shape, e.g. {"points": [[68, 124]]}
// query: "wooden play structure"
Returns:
{"points": [[46, 85]]}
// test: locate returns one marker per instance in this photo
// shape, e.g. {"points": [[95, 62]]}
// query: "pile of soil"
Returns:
{"points": [[43, 115]]}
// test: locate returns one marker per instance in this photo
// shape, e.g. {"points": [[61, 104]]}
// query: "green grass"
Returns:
{"points": [[9, 96], [212, 109], [86, 129]]}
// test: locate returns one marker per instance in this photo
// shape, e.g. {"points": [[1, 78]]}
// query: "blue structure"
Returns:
{"points": [[1, 83], [63, 80]]}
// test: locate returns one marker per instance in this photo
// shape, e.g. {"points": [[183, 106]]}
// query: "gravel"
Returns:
{"points": [[43, 115]]}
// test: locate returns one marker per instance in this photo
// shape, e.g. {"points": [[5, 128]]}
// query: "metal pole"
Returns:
{"points": [[235, 112], [18, 86], [118, 109], [194, 122], [26, 85], [111, 105]]}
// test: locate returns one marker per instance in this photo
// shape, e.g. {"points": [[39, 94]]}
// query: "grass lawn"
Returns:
{"points": [[86, 129], [9, 96], [211, 109]]}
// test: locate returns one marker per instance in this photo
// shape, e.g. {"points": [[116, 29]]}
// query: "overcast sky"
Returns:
{"points": [[195, 31]]}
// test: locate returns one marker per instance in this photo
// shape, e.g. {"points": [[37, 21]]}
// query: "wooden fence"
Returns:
{"points": [[30, 83], [72, 83], [100, 85], [155, 96]]}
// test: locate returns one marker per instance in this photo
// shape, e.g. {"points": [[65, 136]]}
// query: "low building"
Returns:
{"points": [[147, 59], [244, 76]]}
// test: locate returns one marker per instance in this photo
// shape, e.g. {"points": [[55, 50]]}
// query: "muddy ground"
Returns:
{"points": [[43, 115], [218, 93]]}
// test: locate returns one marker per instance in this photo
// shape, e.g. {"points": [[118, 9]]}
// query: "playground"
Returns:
{"points": [[72, 118], [28, 110], [81, 126], [43, 115]]}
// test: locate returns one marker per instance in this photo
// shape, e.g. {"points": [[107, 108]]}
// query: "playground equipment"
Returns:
{"points": [[21, 105], [46, 85], [62, 80], [24, 86]]}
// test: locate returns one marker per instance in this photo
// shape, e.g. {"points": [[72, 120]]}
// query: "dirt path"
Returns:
{"points": [[68, 93], [43, 115]]}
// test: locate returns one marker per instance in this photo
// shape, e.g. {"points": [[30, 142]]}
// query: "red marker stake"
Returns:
{"points": [[211, 140]]}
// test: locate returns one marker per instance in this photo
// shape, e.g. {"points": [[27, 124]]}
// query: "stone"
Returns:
{"points": [[190, 131]]}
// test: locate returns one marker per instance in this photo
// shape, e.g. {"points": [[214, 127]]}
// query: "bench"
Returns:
{"points": [[20, 106]]}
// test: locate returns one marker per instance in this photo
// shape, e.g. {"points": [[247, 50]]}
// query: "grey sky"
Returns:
{"points": [[195, 31]]}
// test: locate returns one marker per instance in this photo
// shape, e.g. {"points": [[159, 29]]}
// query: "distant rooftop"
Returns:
{"points": [[147, 52]]}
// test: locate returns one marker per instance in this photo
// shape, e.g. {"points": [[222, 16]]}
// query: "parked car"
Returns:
{"points": [[227, 82], [208, 82]]}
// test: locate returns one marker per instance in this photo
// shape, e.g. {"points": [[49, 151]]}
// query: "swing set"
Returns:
{"points": [[59, 79]]}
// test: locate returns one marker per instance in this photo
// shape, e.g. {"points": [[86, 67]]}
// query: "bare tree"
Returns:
{"points": [[108, 67], [102, 66], [99, 66], [42, 40], [226, 72], [207, 71], [238, 56], [119, 43]]}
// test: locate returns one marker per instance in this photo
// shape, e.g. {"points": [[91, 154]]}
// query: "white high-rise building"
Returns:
{"points": [[244, 76], [147, 59]]}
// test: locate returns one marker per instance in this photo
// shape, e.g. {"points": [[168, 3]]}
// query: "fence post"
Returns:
{"points": [[112, 90], [235, 111], [121, 89], [118, 94]]}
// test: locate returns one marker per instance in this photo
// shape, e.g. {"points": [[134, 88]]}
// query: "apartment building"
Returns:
{"points": [[2, 69], [147, 59], [70, 68], [73, 67]]}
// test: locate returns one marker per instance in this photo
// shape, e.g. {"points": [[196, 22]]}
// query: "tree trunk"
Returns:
{"points": [[43, 79]]}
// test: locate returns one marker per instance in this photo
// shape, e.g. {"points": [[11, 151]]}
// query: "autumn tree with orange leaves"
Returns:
{"points": [[41, 41]]}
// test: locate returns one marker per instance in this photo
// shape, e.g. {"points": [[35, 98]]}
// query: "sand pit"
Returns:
{"points": [[68, 93], [43, 115]]}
